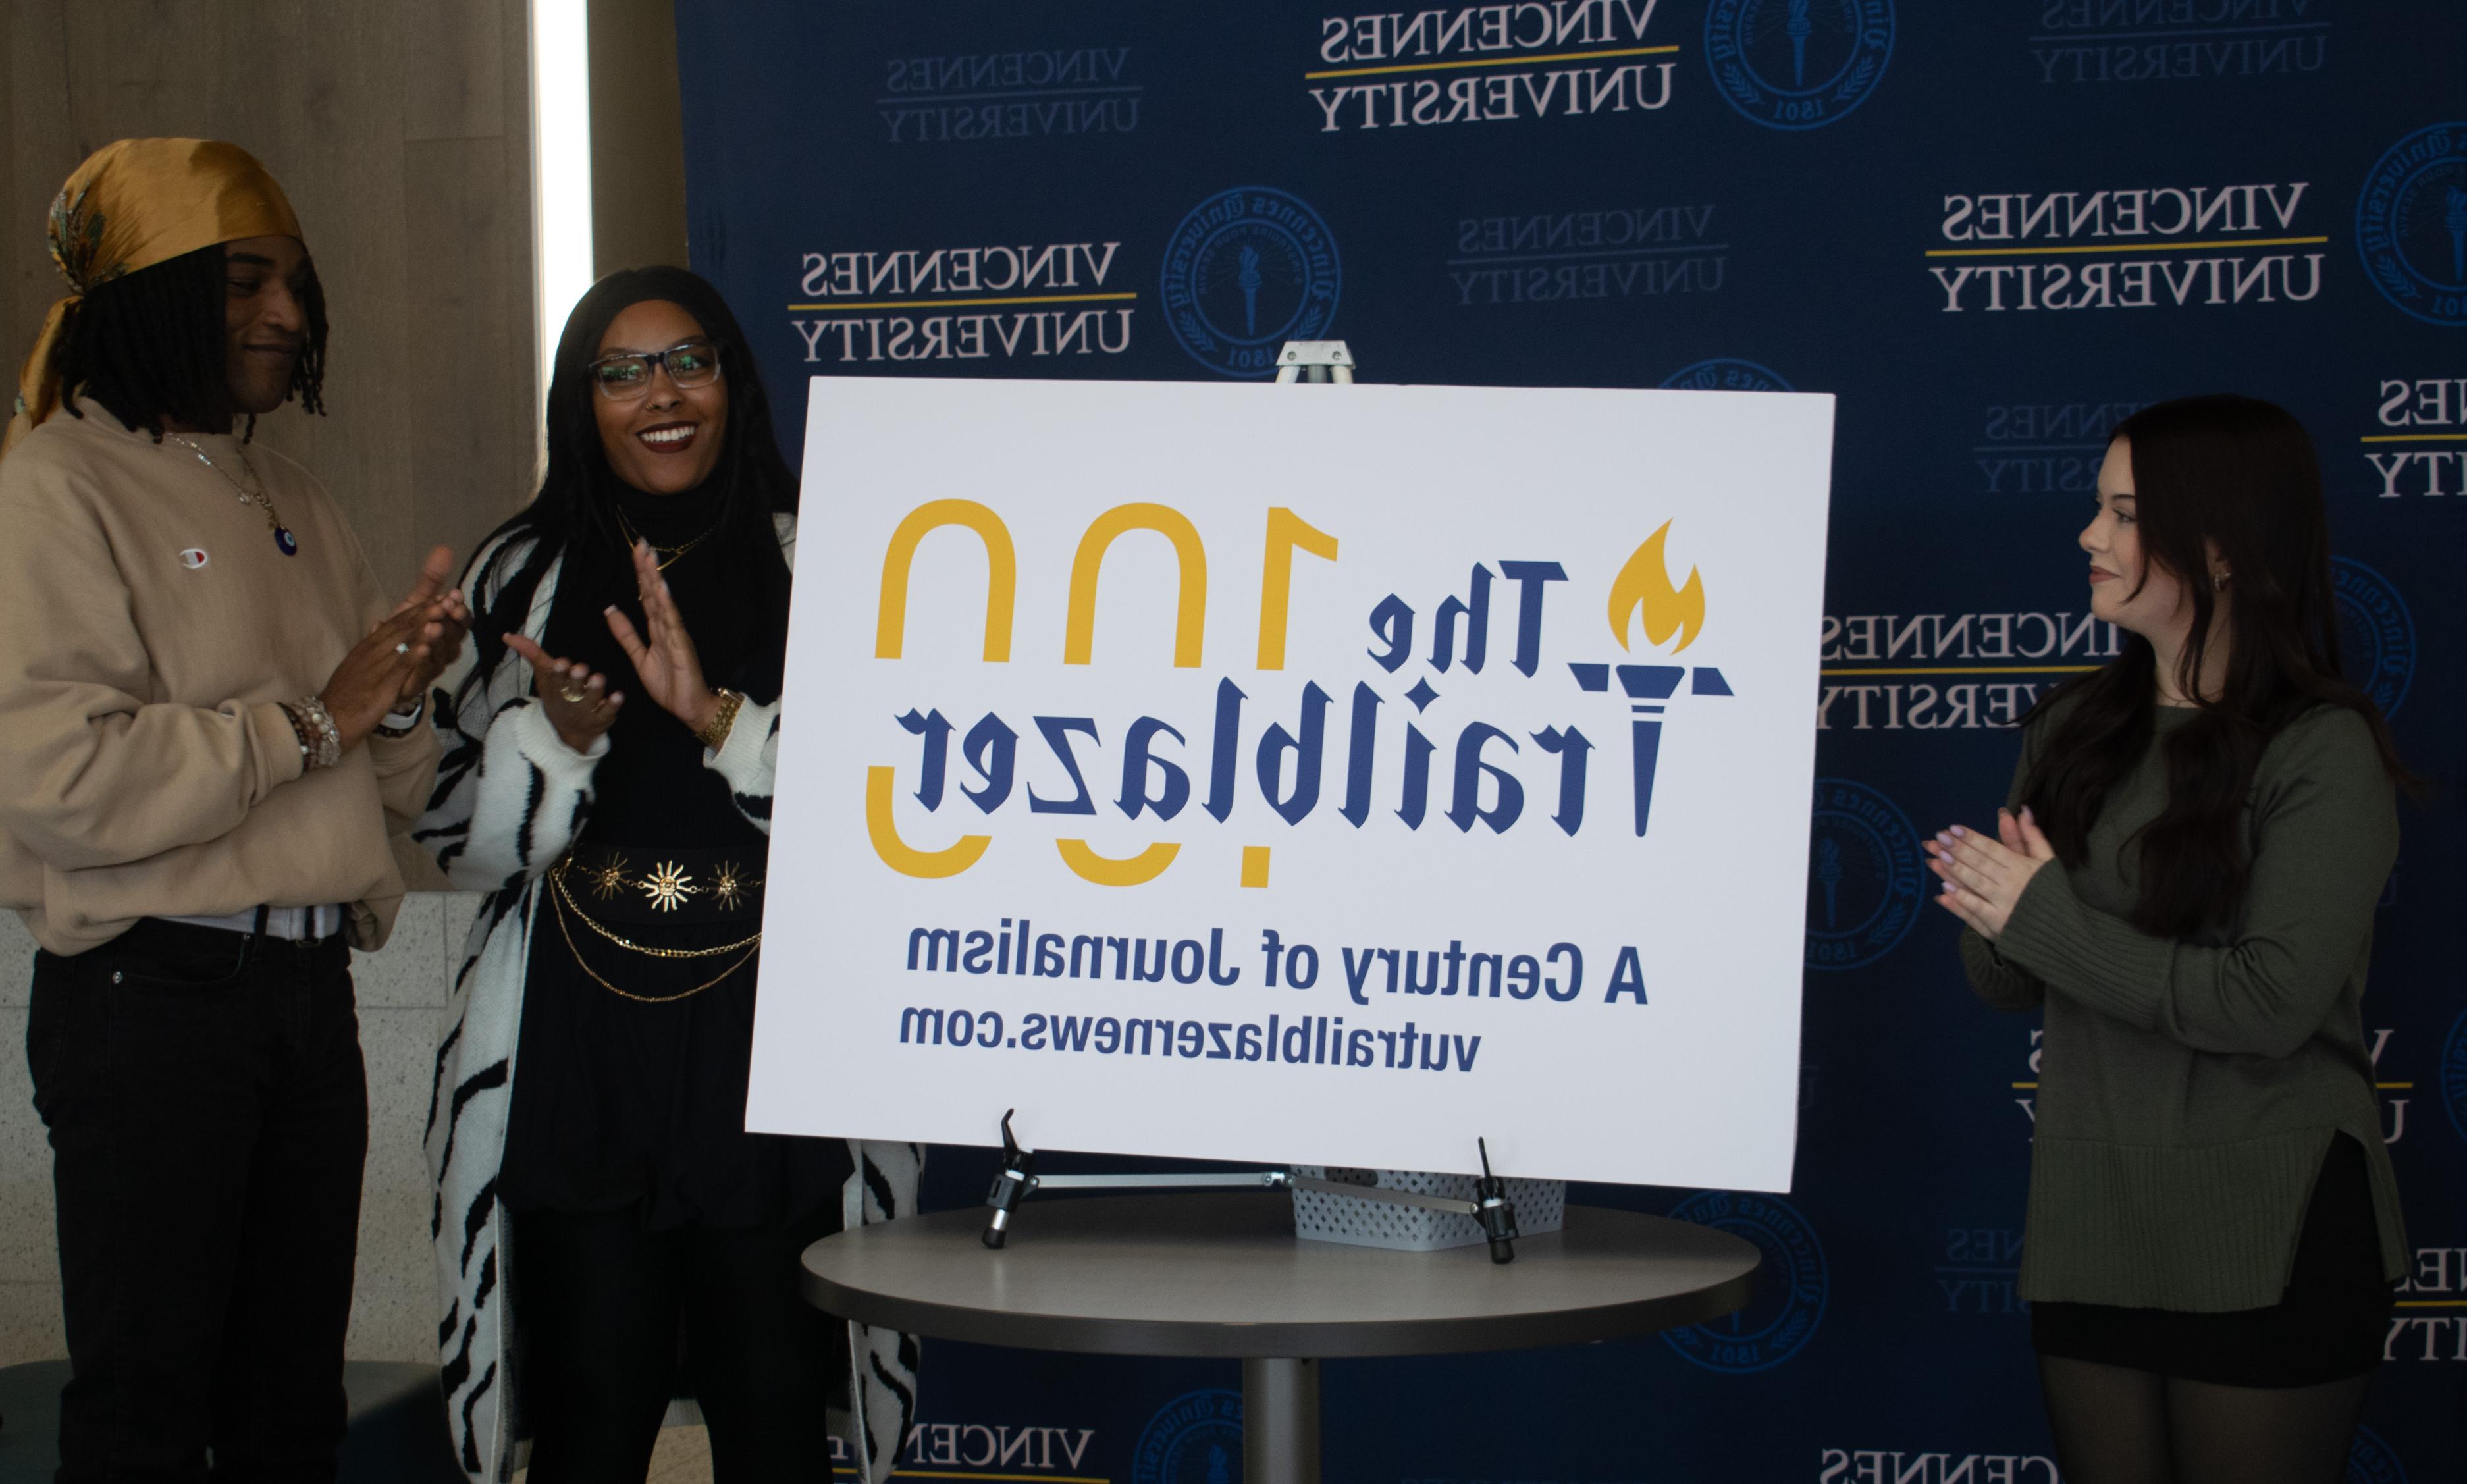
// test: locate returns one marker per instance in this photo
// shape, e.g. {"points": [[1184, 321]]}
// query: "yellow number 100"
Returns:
{"points": [[1286, 533]]}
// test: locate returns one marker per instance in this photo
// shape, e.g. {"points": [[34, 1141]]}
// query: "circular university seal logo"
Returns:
{"points": [[1797, 64], [2454, 1074], [1196, 1438], [2411, 224], [1249, 269], [2377, 635], [1790, 1287], [2370, 1461], [1724, 375], [1865, 879]]}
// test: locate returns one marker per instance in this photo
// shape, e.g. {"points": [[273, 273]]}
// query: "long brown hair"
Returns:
{"points": [[2239, 475]]}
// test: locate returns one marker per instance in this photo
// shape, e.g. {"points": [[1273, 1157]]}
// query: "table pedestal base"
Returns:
{"points": [[1279, 1422], [1221, 1277]]}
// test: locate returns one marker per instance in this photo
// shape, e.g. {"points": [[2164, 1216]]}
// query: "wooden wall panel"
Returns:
{"points": [[38, 139], [638, 142], [456, 56], [469, 458]]}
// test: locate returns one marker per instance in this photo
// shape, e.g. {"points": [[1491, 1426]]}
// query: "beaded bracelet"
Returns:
{"points": [[301, 732], [330, 737]]}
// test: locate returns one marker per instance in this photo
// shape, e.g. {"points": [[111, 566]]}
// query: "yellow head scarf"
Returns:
{"points": [[135, 203]]}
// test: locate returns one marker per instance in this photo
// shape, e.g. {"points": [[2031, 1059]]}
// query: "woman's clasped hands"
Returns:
{"points": [[580, 702], [1983, 879]]}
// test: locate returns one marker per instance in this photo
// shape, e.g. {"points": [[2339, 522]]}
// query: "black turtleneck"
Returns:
{"points": [[652, 789]]}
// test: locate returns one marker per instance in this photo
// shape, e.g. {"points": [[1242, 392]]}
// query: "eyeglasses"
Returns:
{"points": [[625, 378]]}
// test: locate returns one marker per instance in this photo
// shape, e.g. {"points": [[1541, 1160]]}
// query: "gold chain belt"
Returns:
{"points": [[667, 888], [667, 876]]}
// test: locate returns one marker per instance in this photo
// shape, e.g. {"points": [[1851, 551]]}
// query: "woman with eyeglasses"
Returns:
{"points": [[610, 739]]}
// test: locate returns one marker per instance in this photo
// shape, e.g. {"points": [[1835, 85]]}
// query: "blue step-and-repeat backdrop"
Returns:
{"points": [[1992, 227]]}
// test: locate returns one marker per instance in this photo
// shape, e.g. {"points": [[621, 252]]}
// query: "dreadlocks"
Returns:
{"points": [[152, 345]]}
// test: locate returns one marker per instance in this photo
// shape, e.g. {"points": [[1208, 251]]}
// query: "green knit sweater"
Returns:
{"points": [[2190, 1088]]}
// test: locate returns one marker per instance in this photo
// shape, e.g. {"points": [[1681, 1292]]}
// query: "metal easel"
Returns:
{"points": [[1315, 361]]}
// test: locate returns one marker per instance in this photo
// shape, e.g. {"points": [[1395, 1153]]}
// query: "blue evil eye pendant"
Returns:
{"points": [[283, 538]]}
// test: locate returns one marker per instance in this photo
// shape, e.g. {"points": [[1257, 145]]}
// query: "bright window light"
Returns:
{"points": [[560, 165]]}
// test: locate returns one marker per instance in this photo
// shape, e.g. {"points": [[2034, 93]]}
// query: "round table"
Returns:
{"points": [[1224, 1276]]}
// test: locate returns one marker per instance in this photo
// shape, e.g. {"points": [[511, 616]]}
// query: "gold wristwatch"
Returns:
{"points": [[715, 733]]}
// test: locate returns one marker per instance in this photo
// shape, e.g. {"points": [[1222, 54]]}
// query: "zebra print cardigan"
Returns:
{"points": [[509, 797]]}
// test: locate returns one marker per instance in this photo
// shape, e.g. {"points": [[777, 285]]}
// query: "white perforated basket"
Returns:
{"points": [[1321, 1216]]}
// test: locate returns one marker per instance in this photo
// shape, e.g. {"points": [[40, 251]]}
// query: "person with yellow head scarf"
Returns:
{"points": [[211, 721], [138, 203]]}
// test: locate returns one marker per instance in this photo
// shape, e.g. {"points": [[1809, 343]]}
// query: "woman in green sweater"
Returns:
{"points": [[2185, 878]]}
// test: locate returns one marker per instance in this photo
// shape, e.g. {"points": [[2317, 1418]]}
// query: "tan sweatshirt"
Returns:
{"points": [[148, 625]]}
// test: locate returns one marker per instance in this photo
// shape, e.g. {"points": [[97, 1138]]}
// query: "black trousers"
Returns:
{"points": [[209, 1118], [606, 1309]]}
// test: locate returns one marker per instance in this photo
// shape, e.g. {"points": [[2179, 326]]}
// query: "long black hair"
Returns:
{"points": [[154, 345], [749, 484], [2238, 475]]}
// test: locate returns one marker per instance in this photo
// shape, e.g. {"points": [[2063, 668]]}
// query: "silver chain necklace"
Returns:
{"points": [[251, 493]]}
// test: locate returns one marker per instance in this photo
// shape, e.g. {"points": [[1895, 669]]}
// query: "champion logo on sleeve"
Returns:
{"points": [[193, 557]]}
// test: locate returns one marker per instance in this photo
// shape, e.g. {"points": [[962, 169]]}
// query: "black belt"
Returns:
{"points": [[161, 938]]}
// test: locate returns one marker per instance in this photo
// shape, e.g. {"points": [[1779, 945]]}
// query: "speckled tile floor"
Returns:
{"points": [[683, 1457]]}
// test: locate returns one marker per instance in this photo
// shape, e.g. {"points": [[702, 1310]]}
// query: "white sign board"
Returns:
{"points": [[1326, 774]]}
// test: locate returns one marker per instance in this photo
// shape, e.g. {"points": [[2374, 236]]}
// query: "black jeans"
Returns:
{"points": [[604, 1306], [209, 1118]]}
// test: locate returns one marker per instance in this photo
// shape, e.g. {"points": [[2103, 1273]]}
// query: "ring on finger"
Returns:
{"points": [[574, 695]]}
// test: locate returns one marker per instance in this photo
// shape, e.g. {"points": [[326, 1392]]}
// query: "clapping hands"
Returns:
{"points": [[580, 702], [666, 663], [401, 655], [1984, 879], [577, 698]]}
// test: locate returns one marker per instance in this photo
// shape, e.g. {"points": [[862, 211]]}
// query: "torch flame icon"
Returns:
{"points": [[1644, 588], [1797, 28]]}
